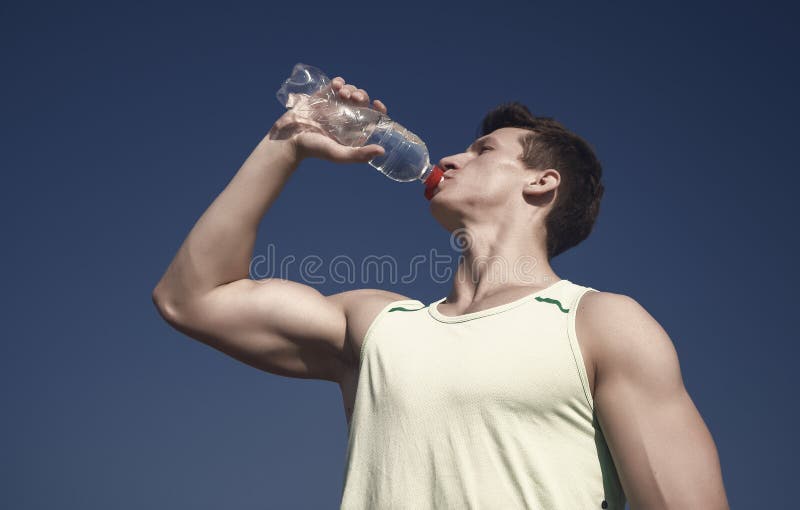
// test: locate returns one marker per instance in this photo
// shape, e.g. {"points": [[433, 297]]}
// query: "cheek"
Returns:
{"points": [[498, 180], [488, 192]]}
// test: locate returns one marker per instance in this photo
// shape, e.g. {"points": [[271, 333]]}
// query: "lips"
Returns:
{"points": [[436, 189]]}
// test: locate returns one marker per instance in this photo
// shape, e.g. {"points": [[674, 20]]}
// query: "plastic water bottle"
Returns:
{"points": [[308, 93]]}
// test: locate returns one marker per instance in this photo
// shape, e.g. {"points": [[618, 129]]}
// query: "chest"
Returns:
{"points": [[486, 362]]}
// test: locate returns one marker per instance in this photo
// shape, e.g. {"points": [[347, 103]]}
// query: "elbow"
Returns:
{"points": [[165, 305]]}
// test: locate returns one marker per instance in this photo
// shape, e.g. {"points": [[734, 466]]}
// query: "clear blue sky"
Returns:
{"points": [[121, 124]]}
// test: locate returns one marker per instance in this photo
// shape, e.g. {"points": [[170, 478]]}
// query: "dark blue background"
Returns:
{"points": [[120, 125]]}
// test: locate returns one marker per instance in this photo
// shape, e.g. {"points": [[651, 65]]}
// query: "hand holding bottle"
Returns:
{"points": [[309, 137], [332, 120]]}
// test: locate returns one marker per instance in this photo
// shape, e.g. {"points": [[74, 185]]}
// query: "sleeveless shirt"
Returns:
{"points": [[487, 410]]}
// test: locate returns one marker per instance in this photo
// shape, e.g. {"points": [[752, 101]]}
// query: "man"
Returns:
{"points": [[524, 391]]}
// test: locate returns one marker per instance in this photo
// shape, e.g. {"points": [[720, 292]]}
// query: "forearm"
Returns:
{"points": [[219, 247]]}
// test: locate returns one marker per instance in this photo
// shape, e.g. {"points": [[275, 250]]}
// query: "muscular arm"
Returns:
{"points": [[276, 325], [218, 249], [663, 451]]}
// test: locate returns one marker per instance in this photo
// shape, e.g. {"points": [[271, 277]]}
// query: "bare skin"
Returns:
{"points": [[664, 453]]}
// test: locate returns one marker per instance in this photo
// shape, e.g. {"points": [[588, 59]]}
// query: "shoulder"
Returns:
{"points": [[363, 301], [596, 305], [361, 307], [625, 337], [610, 314]]}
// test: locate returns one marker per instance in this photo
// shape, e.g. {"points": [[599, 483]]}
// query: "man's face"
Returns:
{"points": [[483, 180]]}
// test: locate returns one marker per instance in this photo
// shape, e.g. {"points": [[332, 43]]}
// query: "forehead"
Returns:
{"points": [[501, 137]]}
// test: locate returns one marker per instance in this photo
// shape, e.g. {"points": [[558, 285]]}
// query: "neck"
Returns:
{"points": [[497, 259]]}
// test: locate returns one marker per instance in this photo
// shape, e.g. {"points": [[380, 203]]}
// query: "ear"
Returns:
{"points": [[542, 182]]}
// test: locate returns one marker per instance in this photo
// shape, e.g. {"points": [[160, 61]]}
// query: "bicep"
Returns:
{"points": [[278, 326], [661, 446]]}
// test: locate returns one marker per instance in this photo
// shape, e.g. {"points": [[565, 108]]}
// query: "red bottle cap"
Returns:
{"points": [[432, 181]]}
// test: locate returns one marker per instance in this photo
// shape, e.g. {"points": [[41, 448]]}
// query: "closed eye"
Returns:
{"points": [[483, 149]]}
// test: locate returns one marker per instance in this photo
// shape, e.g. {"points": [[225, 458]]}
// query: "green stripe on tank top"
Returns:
{"points": [[401, 309], [553, 302]]}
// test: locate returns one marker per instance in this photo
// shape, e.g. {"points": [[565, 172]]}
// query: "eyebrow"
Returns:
{"points": [[481, 141]]}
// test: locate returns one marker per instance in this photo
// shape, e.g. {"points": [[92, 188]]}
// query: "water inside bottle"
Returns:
{"points": [[405, 156]]}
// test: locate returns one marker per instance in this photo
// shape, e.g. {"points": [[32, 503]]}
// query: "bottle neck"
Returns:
{"points": [[426, 172], [432, 179]]}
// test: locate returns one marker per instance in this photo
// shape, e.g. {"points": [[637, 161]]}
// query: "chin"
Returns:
{"points": [[446, 215]]}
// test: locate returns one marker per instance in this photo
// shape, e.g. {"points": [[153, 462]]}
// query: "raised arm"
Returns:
{"points": [[663, 451], [280, 326]]}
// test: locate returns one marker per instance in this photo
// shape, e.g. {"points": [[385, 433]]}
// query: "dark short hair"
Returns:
{"points": [[551, 145]]}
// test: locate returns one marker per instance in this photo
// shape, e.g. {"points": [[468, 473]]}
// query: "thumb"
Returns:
{"points": [[374, 150], [368, 152]]}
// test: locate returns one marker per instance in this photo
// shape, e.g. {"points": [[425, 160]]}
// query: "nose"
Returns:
{"points": [[448, 163]]}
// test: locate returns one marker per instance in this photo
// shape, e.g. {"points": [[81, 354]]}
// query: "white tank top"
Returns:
{"points": [[487, 410]]}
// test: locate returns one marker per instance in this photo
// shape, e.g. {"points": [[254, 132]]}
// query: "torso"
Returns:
{"points": [[362, 309]]}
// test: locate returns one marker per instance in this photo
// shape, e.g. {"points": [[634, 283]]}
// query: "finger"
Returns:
{"points": [[361, 96], [337, 83], [347, 91], [379, 106]]}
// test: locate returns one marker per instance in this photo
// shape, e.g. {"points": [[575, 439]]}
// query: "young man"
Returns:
{"points": [[519, 391]]}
